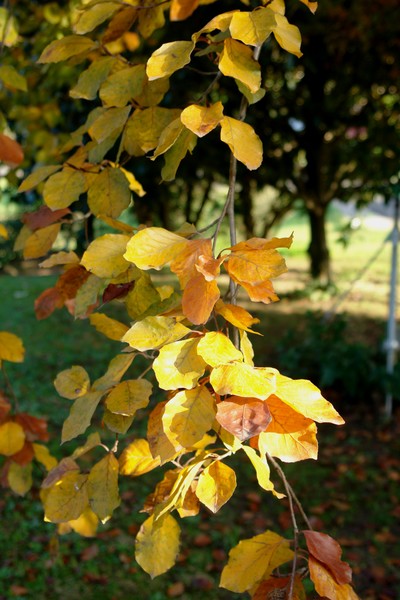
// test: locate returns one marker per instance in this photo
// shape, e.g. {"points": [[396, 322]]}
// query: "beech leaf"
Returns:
{"points": [[154, 332], [240, 379], [327, 551], [129, 396], [12, 438], [243, 417], [326, 585], [11, 347], [178, 365], [288, 36], [111, 328], [237, 61], [157, 545], [244, 143], [72, 383], [168, 58], [137, 459], [105, 255], [154, 247], [216, 349], [252, 28], [67, 498], [202, 119], [102, 487], [67, 47], [216, 485]]}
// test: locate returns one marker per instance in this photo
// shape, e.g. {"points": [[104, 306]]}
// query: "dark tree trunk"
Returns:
{"points": [[318, 251]]}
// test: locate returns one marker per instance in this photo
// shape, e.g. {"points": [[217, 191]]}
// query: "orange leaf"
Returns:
{"points": [[47, 303], [35, 428], [182, 9], [326, 585], [267, 588], [199, 298], [25, 455], [70, 281], [10, 151], [236, 315], [327, 551], [209, 267], [243, 417], [184, 264]]}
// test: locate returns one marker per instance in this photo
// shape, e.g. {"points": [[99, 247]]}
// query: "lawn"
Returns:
{"points": [[350, 493]]}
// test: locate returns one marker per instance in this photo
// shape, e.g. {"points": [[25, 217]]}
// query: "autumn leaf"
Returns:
{"points": [[244, 143], [240, 379], [11, 347], [262, 471], [157, 545], [237, 316], [12, 438], [252, 28], [168, 58], [253, 560], [154, 247], [160, 444], [184, 265], [237, 61], [202, 119], [10, 151], [137, 459], [178, 365], [327, 551], [129, 396], [111, 328], [42, 455], [102, 487], [63, 188], [109, 193], [199, 298], [67, 47], [182, 9], [86, 524], [72, 383], [216, 349], [216, 485], [38, 175], [154, 332], [243, 417], [80, 415], [67, 499], [20, 478], [288, 36], [269, 588], [105, 255], [326, 585]]}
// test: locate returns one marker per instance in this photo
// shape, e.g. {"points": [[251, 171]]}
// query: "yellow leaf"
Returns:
{"points": [[11, 347], [216, 348], [19, 478], [3, 231], [262, 471], [67, 47], [199, 298], [216, 485], [185, 142], [86, 524], [116, 423], [113, 119], [116, 369], [122, 86], [64, 188], [67, 499], [12, 438], [237, 316], [102, 487], [220, 22], [111, 328], [168, 137], [157, 545], [325, 584], [80, 415], [60, 258], [41, 241], [168, 58], [253, 560], [154, 332], [109, 194], [39, 175], [91, 79], [134, 185], [244, 143], [236, 60], [202, 119], [72, 383], [142, 297], [240, 379], [105, 255], [137, 459], [288, 36], [178, 365], [312, 4], [246, 348], [94, 15], [154, 247], [290, 436], [160, 445], [43, 456], [305, 398], [8, 28], [129, 396], [252, 28], [188, 416], [151, 19]]}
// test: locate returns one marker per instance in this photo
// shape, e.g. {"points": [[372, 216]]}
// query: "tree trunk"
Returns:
{"points": [[318, 251]]}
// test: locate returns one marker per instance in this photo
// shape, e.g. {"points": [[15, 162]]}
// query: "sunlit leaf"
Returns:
{"points": [[184, 264], [137, 459], [154, 247], [288, 36], [237, 61], [160, 444], [42, 455], [178, 365], [105, 255], [154, 332], [67, 499], [129, 396], [252, 28], [157, 545], [168, 58], [86, 524], [111, 328], [60, 258], [72, 383], [12, 438], [3, 232], [216, 349], [199, 298], [243, 417], [244, 143], [326, 585], [182, 9], [11, 347], [253, 560], [236, 315], [312, 4], [102, 487], [202, 119], [262, 471], [216, 485], [239, 379]]}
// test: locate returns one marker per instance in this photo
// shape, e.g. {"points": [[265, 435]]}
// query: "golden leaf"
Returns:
{"points": [[237, 61], [253, 560], [154, 332], [240, 379], [19, 478], [252, 28], [105, 255], [102, 487], [137, 459], [184, 264], [11, 347], [129, 396], [67, 499], [3, 231], [94, 15], [182, 9], [12, 438], [115, 422], [288, 36], [157, 545], [184, 143], [262, 471], [109, 193], [326, 585], [216, 349], [111, 328], [91, 79], [216, 485], [116, 369], [38, 175], [72, 383], [237, 316], [199, 298], [244, 143], [80, 415], [202, 119], [178, 365], [168, 58], [63, 188], [41, 241], [86, 524], [67, 47], [154, 247], [160, 445], [188, 416], [43, 456], [144, 128]]}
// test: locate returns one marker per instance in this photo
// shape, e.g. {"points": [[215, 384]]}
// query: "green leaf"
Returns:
{"points": [[111, 120], [185, 143], [90, 80], [120, 88], [109, 194], [11, 78], [80, 415]]}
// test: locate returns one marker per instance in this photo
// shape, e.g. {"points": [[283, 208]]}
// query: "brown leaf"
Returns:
{"points": [[243, 417], [70, 281], [119, 24], [47, 303], [35, 428], [10, 151], [118, 290], [327, 551], [43, 217], [5, 407], [64, 466], [25, 455]]}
